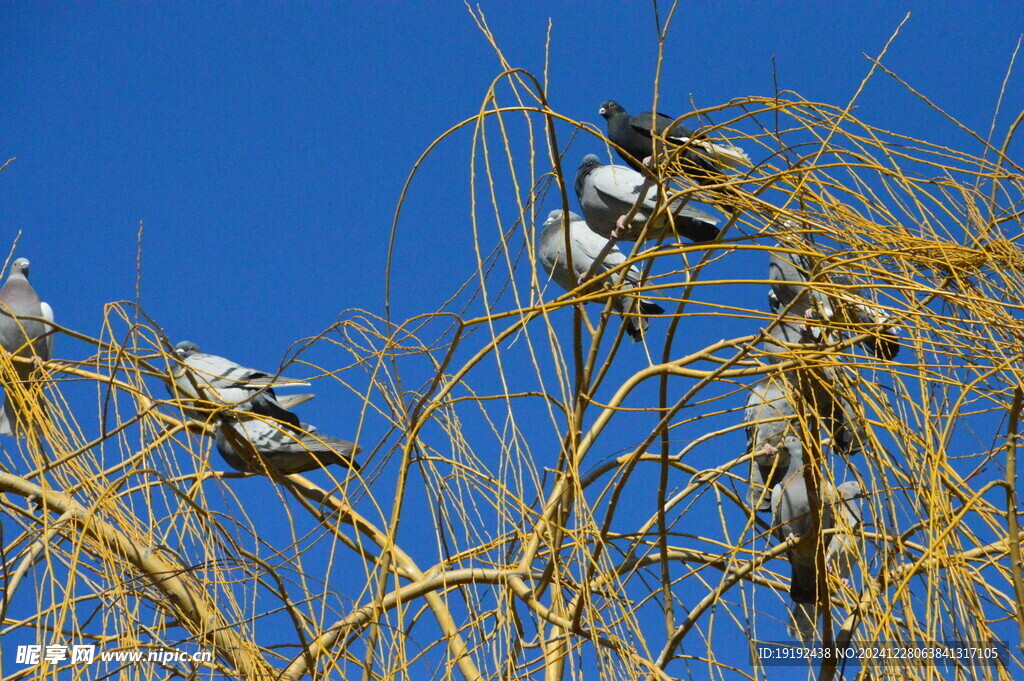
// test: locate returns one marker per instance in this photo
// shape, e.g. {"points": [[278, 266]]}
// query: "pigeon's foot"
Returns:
{"points": [[620, 230], [648, 161], [792, 535]]}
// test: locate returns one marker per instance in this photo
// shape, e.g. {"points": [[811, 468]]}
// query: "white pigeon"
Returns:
{"points": [[586, 246]]}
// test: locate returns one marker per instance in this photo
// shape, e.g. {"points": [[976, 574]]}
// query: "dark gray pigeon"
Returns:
{"points": [[704, 160], [286, 448], [791, 516], [771, 426], [607, 192], [586, 247], [790, 274], [205, 377], [23, 338]]}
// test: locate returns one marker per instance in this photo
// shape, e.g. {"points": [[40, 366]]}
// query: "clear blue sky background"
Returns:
{"points": [[264, 146]]}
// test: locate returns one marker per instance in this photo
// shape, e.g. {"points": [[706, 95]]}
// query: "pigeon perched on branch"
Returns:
{"points": [[24, 403], [791, 274], [210, 378], [634, 134], [771, 426], [586, 246], [286, 448], [607, 193], [792, 516]]}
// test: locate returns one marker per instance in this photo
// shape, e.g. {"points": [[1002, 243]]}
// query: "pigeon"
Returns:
{"points": [[771, 423], [703, 159], [790, 273], [787, 330], [286, 448], [200, 376], [791, 516], [607, 193], [586, 246], [23, 338]]}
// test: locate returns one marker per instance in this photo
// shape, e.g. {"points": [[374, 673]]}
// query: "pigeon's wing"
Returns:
{"points": [[618, 187], [589, 244], [289, 451], [768, 413], [222, 372], [648, 124], [46, 352]]}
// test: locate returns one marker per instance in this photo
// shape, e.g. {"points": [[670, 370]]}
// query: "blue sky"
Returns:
{"points": [[264, 148]]}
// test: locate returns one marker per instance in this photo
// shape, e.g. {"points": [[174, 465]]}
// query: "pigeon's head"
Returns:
{"points": [[186, 348], [850, 490], [555, 217], [21, 266], [609, 109], [590, 160]]}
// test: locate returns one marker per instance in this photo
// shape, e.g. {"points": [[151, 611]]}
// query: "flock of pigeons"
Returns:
{"points": [[262, 432], [622, 203]]}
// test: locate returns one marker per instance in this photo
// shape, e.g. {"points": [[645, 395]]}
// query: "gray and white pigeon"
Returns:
{"points": [[704, 159], [791, 516], [286, 448], [786, 330], [28, 338], [586, 246], [771, 426], [607, 192], [204, 377], [790, 274], [845, 426]]}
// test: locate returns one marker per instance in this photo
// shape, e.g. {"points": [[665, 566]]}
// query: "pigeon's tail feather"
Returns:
{"points": [[803, 621], [647, 307], [289, 401], [636, 324], [635, 327], [279, 382], [885, 346], [698, 231], [330, 450], [728, 155]]}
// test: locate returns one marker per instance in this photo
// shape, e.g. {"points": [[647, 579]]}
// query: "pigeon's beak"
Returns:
{"points": [[600, 112]]}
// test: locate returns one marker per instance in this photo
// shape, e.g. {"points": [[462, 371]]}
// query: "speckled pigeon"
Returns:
{"points": [[791, 516], [704, 159], [607, 192], [211, 378], [23, 338], [286, 448], [586, 247]]}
